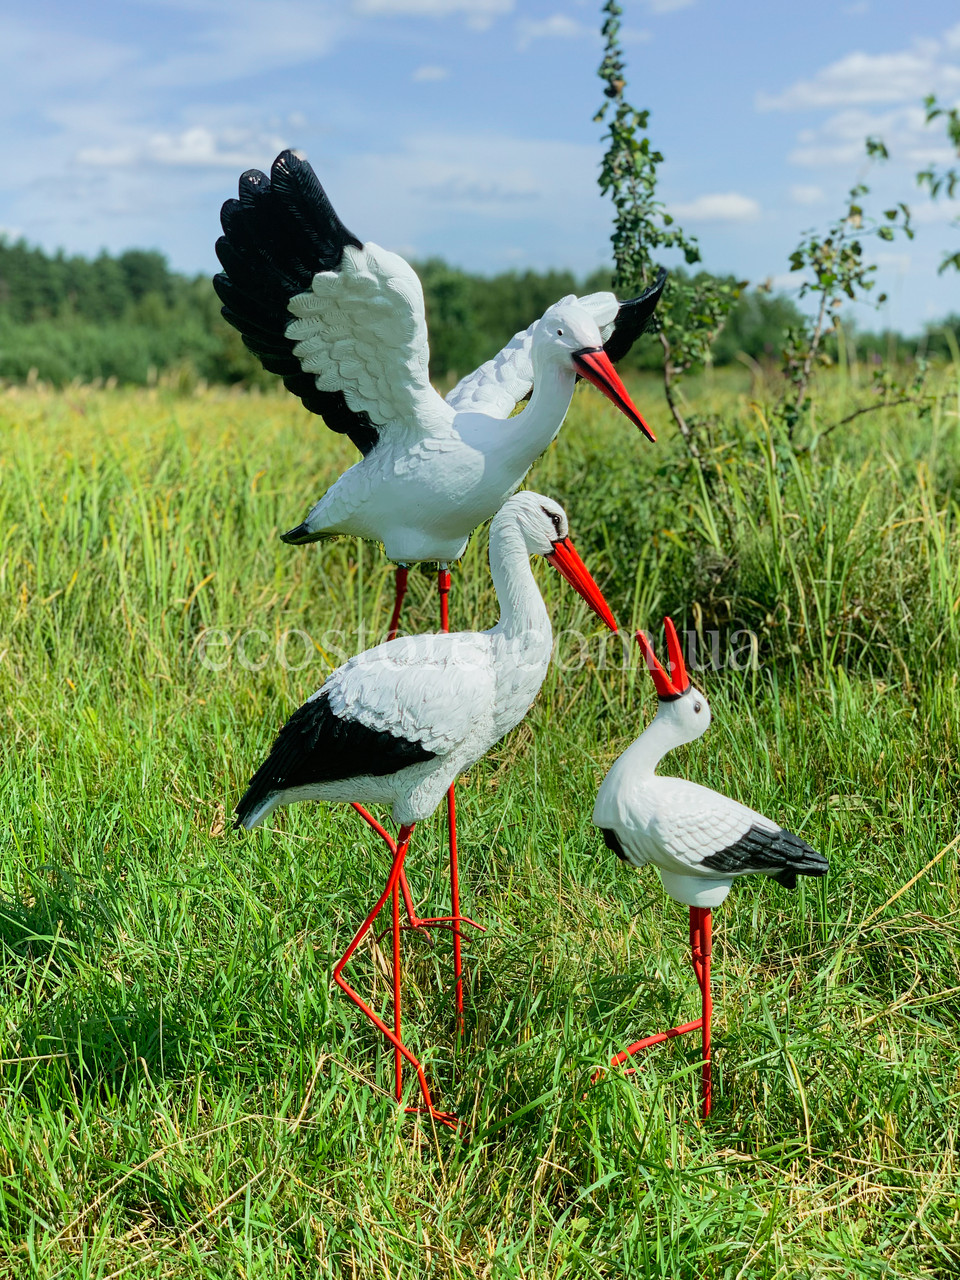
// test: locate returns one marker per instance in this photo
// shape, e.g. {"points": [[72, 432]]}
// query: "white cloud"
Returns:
{"points": [[557, 26], [802, 193], [423, 75], [489, 176], [58, 60], [861, 78], [197, 146], [931, 212], [635, 35], [894, 261], [668, 6], [840, 139], [479, 13], [857, 8], [248, 38], [728, 206], [786, 280]]}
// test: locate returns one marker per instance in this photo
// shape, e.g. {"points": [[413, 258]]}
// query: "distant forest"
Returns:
{"points": [[132, 319]]}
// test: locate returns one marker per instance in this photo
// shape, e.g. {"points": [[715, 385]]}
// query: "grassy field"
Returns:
{"points": [[183, 1095]]}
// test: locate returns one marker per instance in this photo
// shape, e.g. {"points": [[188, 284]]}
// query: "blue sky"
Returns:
{"points": [[463, 128]]}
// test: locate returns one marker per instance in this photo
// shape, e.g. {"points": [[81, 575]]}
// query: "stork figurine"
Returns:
{"points": [[343, 323], [398, 723], [699, 841]]}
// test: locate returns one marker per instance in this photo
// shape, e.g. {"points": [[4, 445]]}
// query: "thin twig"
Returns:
{"points": [[867, 408]]}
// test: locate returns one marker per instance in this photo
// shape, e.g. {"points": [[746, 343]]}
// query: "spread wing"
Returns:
{"points": [[498, 386], [436, 691], [341, 322]]}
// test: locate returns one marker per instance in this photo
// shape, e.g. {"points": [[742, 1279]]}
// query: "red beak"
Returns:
{"points": [[568, 564], [594, 364], [674, 685]]}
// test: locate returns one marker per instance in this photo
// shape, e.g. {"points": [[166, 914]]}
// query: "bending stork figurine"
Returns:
{"points": [[398, 723], [699, 841], [343, 323]]}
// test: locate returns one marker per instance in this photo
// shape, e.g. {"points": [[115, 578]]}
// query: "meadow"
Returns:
{"points": [[183, 1092]]}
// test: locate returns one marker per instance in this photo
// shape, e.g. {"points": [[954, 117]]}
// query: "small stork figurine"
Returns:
{"points": [[699, 840]]}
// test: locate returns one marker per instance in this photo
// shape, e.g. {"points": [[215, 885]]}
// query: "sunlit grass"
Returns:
{"points": [[184, 1095]]}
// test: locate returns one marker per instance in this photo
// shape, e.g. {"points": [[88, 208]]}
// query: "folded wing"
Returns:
{"points": [[436, 691]]}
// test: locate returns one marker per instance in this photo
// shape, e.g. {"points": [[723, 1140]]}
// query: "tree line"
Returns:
{"points": [[131, 318]]}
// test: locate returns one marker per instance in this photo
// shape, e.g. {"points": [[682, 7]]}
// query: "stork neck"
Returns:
{"points": [[553, 385], [660, 736], [522, 611]]}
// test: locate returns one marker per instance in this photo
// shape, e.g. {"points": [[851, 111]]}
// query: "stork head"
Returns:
{"points": [[567, 332], [545, 531], [680, 703]]}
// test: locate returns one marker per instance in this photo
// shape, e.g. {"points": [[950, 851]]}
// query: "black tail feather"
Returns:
{"points": [[316, 746], [780, 854]]}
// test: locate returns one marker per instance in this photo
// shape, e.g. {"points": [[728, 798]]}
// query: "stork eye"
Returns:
{"points": [[559, 333], [697, 707], [554, 516]]}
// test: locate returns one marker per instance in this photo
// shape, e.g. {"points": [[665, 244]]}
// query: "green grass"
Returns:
{"points": [[184, 1095]]}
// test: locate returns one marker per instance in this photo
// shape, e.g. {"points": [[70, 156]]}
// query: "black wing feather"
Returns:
{"points": [[779, 854], [612, 841], [279, 233], [633, 318], [315, 745]]}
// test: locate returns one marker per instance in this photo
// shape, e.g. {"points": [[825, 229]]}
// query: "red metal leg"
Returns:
{"points": [[416, 921], [401, 591], [700, 955], [706, 950], [397, 1056], [443, 585], [402, 844]]}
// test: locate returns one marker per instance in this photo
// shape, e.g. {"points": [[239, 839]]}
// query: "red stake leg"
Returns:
{"points": [[393, 1037], [701, 934], [706, 951], [416, 921], [443, 585], [401, 591], [397, 1056], [455, 906]]}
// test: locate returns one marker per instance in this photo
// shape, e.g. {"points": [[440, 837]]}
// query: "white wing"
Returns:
{"points": [[674, 823], [692, 822], [362, 330], [438, 690], [498, 386]]}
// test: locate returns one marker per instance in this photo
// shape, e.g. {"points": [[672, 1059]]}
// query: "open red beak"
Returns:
{"points": [[594, 364], [568, 564]]}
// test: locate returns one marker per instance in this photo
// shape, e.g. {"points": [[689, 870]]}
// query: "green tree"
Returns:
{"points": [[694, 308], [941, 181]]}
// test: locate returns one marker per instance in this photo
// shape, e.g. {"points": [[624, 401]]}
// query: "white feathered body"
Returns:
{"points": [[456, 694], [674, 825], [440, 467], [452, 695]]}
